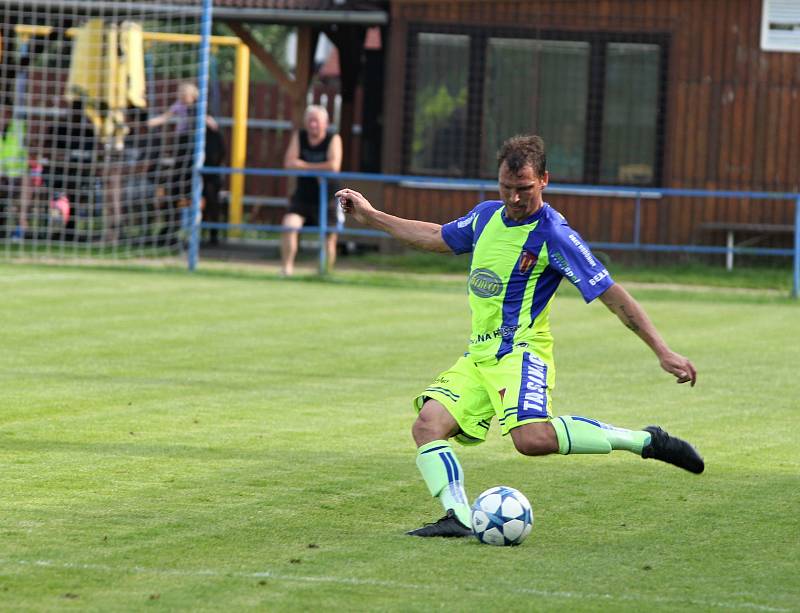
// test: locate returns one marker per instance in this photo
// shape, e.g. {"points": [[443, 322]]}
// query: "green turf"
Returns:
{"points": [[217, 441]]}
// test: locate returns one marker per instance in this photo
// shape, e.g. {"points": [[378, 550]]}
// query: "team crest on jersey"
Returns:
{"points": [[485, 283], [526, 262]]}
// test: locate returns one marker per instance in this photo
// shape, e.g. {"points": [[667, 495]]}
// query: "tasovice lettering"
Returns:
{"points": [[535, 385]]}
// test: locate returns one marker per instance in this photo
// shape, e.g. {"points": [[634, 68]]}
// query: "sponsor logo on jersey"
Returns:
{"points": [[587, 255], [501, 332], [527, 261], [485, 283], [598, 277], [463, 223], [559, 259]]}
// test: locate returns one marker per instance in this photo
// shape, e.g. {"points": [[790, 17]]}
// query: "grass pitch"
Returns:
{"points": [[214, 442]]}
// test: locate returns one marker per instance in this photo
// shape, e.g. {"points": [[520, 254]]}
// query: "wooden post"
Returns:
{"points": [[304, 66], [349, 40]]}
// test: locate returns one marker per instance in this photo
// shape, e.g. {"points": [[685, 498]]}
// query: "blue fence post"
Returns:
{"points": [[323, 225], [200, 134], [796, 282]]}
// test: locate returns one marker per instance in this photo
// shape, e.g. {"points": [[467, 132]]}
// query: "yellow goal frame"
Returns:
{"points": [[241, 84]]}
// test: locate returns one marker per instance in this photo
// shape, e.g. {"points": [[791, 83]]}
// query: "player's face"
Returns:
{"points": [[521, 192]]}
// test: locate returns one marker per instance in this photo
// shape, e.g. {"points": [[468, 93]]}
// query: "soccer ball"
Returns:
{"points": [[502, 516]]}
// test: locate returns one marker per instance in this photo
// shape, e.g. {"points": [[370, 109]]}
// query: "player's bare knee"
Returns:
{"points": [[535, 439], [420, 430], [434, 422], [425, 430]]}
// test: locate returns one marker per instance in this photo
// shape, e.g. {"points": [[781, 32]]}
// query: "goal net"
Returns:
{"points": [[98, 127]]}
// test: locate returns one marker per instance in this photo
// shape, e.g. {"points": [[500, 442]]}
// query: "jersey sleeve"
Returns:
{"points": [[459, 234], [570, 256]]}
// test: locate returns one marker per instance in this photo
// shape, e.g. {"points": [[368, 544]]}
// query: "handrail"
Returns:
{"points": [[481, 185], [478, 184]]}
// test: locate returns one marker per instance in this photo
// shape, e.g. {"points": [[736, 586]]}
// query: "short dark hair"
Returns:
{"points": [[523, 150]]}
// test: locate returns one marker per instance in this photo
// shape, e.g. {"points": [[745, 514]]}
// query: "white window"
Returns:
{"points": [[780, 25]]}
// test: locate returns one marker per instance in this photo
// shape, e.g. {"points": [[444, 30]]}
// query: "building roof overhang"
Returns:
{"points": [[308, 12]]}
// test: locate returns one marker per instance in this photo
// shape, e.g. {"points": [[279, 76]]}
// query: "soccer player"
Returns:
{"points": [[521, 249]]}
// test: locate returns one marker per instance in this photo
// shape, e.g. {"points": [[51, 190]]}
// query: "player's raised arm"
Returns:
{"points": [[419, 234], [631, 313]]}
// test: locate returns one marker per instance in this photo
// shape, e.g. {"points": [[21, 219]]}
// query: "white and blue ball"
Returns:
{"points": [[502, 516]]}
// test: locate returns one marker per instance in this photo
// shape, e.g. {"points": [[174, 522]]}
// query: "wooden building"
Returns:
{"points": [[644, 93], [665, 93]]}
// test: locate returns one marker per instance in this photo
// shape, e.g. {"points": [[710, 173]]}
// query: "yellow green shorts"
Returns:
{"points": [[516, 389]]}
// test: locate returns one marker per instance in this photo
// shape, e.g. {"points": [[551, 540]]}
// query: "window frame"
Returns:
{"points": [[593, 131]]}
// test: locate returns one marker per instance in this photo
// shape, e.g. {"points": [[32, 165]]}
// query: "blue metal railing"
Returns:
{"points": [[483, 186]]}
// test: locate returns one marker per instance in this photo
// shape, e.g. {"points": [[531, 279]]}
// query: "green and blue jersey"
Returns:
{"points": [[515, 271]]}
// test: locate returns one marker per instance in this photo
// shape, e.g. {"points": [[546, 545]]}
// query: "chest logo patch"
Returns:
{"points": [[485, 283], [527, 261]]}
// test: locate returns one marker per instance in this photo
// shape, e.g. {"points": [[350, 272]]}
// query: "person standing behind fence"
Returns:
{"points": [[312, 148], [213, 209]]}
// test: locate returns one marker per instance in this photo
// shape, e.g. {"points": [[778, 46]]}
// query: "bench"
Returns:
{"points": [[757, 231]]}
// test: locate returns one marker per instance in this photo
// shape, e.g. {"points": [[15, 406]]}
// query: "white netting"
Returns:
{"points": [[98, 104]]}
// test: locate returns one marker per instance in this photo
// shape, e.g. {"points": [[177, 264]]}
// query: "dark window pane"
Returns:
{"points": [[440, 104], [537, 87], [630, 113], [562, 115]]}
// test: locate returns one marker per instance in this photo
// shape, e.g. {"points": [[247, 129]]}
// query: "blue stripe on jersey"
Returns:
{"points": [[515, 291], [546, 286], [435, 449], [533, 389]]}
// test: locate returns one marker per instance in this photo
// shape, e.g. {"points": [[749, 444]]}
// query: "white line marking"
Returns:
{"points": [[268, 574]]}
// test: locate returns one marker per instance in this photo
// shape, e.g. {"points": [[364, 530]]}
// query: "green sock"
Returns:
{"points": [[443, 476], [583, 435]]}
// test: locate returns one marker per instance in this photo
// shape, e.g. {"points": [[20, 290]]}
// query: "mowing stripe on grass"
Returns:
{"points": [[266, 574]]}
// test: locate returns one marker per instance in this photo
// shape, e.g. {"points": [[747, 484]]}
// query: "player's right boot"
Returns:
{"points": [[447, 526], [672, 450]]}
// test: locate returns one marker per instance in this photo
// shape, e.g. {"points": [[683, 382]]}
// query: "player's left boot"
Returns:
{"points": [[672, 450], [447, 526]]}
